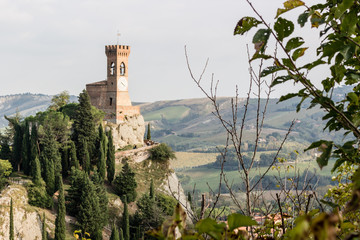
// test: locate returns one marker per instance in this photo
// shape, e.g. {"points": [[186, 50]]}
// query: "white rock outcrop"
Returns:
{"points": [[129, 132], [27, 222], [173, 188]]}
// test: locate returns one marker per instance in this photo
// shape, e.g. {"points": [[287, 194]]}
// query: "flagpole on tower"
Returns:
{"points": [[118, 37]]}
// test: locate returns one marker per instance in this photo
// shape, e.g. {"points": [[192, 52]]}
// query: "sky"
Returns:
{"points": [[48, 46]]}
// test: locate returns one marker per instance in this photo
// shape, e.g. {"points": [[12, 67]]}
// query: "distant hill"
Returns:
{"points": [[26, 104], [189, 124]]}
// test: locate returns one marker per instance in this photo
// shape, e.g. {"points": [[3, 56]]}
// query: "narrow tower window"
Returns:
{"points": [[122, 69], [110, 101], [112, 68]]}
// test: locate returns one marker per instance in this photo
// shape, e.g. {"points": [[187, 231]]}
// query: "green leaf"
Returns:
{"points": [[260, 39], [348, 24], [341, 8], [298, 53], [270, 70], [211, 227], [280, 79], [316, 19], [288, 63], [337, 164], [283, 28], [325, 147], [237, 220], [288, 96], [294, 43], [302, 19], [245, 24], [288, 5], [310, 66], [259, 55], [353, 98]]}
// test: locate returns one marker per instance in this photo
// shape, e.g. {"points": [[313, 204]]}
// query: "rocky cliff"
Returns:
{"points": [[27, 221], [130, 132]]}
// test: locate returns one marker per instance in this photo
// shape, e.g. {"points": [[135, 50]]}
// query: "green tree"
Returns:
{"points": [[36, 172], [114, 233], [101, 164], [5, 151], [102, 197], [84, 126], [49, 157], [60, 224], [152, 191], [60, 100], [86, 158], [121, 235], [125, 184], [125, 225], [43, 232], [110, 160], [74, 192], [34, 150], [148, 135], [26, 151], [12, 236], [17, 147], [88, 214], [72, 156]]}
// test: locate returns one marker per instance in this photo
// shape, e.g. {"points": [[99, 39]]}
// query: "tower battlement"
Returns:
{"points": [[113, 50]]}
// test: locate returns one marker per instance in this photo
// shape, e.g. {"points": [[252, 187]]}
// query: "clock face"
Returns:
{"points": [[122, 84]]}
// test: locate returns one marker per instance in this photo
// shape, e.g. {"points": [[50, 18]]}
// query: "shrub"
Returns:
{"points": [[38, 196], [162, 152]]}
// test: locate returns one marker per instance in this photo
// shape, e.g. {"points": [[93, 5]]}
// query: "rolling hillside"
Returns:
{"points": [[190, 125]]}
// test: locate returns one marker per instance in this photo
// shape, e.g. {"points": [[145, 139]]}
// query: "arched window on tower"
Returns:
{"points": [[122, 69], [112, 68]]}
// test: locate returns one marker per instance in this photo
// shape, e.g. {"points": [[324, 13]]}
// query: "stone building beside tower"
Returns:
{"points": [[112, 97]]}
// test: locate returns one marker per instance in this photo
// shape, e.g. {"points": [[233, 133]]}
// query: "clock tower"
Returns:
{"points": [[112, 95]]}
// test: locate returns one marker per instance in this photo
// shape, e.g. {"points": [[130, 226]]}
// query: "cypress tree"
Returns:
{"points": [[50, 159], [101, 165], [110, 158], [25, 149], [152, 192], [44, 233], [17, 147], [84, 126], [12, 237], [36, 172], [73, 158], [65, 160], [121, 235], [148, 135], [60, 226], [88, 214], [125, 221], [75, 190], [85, 158], [34, 153], [49, 175], [102, 198], [114, 233], [5, 152], [125, 184]]}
